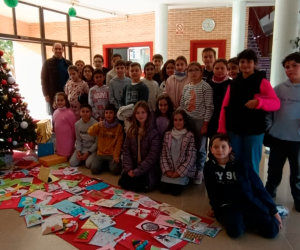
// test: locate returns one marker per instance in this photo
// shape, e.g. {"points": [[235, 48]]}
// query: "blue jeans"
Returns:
{"points": [[200, 142], [247, 147]]}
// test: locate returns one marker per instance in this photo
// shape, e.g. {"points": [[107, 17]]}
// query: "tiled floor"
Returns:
{"points": [[15, 236]]}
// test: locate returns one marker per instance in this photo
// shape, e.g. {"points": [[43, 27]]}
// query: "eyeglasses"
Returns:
{"points": [[194, 70]]}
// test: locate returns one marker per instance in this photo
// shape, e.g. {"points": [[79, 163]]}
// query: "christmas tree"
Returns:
{"points": [[16, 125], [84, 235]]}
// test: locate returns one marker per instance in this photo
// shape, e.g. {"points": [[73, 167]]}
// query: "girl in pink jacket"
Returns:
{"points": [[176, 82], [244, 107], [64, 125]]}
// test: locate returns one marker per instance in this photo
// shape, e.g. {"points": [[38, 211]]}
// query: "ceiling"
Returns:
{"points": [[96, 9]]}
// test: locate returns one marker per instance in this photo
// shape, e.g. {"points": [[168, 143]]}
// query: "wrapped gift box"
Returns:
{"points": [[51, 160], [43, 131]]}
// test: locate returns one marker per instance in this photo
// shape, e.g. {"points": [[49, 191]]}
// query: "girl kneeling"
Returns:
{"points": [[178, 158], [141, 152]]}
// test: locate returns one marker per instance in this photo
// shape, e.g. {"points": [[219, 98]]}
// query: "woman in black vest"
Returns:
{"points": [[247, 99]]}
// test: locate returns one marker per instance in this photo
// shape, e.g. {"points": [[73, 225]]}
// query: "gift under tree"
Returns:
{"points": [[17, 129]]}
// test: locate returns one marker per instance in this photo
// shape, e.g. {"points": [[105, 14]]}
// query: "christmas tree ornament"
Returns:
{"points": [[24, 125], [1, 53], [5, 126], [72, 12], [5, 97], [25, 104], [2, 60], [15, 143], [11, 3], [4, 65], [11, 80], [4, 82], [14, 100], [9, 115], [9, 139]]}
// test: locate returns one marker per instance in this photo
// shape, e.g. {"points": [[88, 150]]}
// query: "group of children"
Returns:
{"points": [[170, 121]]}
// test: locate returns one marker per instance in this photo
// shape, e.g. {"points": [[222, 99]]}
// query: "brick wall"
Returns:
{"points": [[137, 28]]}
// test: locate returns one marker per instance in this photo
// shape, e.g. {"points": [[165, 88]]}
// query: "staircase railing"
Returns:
{"points": [[264, 42]]}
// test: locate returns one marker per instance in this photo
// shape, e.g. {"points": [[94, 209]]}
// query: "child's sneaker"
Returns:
{"points": [[197, 182], [282, 210]]}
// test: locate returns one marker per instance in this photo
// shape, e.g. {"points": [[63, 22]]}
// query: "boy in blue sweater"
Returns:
{"points": [[237, 195], [285, 130]]}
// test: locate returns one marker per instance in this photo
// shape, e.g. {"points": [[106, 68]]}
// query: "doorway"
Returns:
{"points": [[197, 46], [136, 52]]}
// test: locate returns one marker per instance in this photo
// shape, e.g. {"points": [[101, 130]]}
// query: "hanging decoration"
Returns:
{"points": [[11, 3], [72, 12]]}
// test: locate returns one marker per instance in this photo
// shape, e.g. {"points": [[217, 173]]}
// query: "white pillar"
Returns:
{"points": [[161, 31], [285, 30], [238, 27]]}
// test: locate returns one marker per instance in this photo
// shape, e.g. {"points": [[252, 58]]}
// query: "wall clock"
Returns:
{"points": [[208, 25]]}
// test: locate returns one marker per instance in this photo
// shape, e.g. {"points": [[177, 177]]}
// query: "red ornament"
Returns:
{"points": [[4, 82], [14, 100], [9, 115], [1, 53], [52, 229], [9, 139], [4, 65], [31, 145]]}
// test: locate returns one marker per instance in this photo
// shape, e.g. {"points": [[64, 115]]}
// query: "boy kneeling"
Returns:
{"points": [[86, 145], [110, 140], [237, 195]]}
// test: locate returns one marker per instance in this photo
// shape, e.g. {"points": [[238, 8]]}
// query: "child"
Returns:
{"points": [[243, 111], [80, 65], [86, 145], [237, 195], [285, 131], [74, 88], [178, 157], [64, 125], [99, 95], [208, 57], [127, 68], [98, 62], [219, 84], [157, 60], [137, 90], [117, 84], [88, 71], [175, 83], [167, 71], [233, 67], [110, 139], [163, 113], [152, 85], [197, 102], [141, 152], [112, 73]]}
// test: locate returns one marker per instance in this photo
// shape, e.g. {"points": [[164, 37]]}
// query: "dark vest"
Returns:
{"points": [[240, 119]]}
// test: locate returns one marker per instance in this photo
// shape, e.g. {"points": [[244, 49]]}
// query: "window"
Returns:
{"points": [[6, 19], [28, 20], [55, 26]]}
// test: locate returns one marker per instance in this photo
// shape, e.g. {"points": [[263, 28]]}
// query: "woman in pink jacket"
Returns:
{"points": [[176, 82], [244, 107]]}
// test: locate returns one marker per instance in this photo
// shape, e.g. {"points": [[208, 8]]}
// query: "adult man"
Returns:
{"points": [[54, 74]]}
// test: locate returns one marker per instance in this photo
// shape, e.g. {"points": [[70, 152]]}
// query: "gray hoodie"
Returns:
{"points": [[85, 142], [116, 86], [286, 121]]}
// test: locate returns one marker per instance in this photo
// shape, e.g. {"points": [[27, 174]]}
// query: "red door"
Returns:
{"points": [[197, 47]]}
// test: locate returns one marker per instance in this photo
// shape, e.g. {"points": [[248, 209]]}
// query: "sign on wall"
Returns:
{"points": [[179, 28]]}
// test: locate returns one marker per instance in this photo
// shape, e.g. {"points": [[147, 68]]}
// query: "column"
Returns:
{"points": [[161, 31], [238, 27], [285, 29]]}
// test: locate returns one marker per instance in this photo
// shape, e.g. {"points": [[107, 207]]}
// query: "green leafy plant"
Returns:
{"points": [[296, 42]]}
